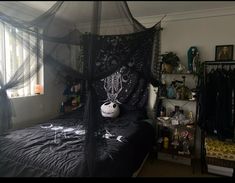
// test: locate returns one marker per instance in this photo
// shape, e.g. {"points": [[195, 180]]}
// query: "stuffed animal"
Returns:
{"points": [[110, 109]]}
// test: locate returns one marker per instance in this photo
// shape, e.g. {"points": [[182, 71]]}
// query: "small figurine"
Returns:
{"points": [[163, 89], [171, 93], [75, 103], [72, 93], [192, 52], [75, 89], [184, 92], [195, 62], [186, 144]]}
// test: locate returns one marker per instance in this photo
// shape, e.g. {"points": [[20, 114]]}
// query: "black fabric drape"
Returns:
{"points": [[65, 25], [217, 104], [106, 54]]}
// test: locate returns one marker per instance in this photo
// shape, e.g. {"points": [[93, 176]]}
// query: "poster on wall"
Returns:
{"points": [[224, 52]]}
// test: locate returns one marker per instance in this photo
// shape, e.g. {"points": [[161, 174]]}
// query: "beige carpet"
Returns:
{"points": [[160, 168]]}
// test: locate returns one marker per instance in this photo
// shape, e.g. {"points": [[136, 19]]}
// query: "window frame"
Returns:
{"points": [[29, 89]]}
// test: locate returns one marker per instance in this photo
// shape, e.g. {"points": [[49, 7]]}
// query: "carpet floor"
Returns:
{"points": [[154, 167]]}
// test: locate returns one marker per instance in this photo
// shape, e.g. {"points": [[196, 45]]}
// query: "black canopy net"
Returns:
{"points": [[86, 41]]}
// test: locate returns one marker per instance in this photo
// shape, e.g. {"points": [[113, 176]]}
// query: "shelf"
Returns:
{"points": [[188, 126], [174, 152], [164, 98], [167, 128], [178, 74]]}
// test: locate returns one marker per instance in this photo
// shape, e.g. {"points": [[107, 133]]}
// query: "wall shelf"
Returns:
{"points": [[164, 98], [178, 74], [174, 152], [185, 132]]}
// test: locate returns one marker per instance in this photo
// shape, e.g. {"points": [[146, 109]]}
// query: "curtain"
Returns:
{"points": [[12, 55]]}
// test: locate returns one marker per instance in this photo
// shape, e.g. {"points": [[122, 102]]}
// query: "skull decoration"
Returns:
{"points": [[110, 109]]}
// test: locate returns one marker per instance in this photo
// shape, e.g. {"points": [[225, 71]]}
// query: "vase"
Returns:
{"points": [[192, 52]]}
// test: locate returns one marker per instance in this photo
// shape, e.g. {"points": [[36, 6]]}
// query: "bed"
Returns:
{"points": [[55, 148]]}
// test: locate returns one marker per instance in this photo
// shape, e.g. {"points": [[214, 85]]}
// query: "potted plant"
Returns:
{"points": [[170, 61]]}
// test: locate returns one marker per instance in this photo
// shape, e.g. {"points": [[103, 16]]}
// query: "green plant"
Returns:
{"points": [[170, 58]]}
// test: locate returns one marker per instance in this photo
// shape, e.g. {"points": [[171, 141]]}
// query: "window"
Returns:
{"points": [[12, 55]]}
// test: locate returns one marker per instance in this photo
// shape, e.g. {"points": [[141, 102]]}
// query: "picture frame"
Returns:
{"points": [[224, 52]]}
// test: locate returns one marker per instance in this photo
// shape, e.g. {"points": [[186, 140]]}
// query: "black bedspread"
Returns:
{"points": [[45, 152]]}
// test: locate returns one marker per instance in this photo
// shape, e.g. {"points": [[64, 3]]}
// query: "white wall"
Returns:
{"points": [[203, 33], [36, 109], [203, 29]]}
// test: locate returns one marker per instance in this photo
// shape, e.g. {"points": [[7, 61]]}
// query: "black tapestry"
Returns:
{"points": [[111, 52], [132, 55], [125, 87]]}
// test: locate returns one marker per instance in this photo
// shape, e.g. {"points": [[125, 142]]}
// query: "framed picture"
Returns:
{"points": [[224, 52]]}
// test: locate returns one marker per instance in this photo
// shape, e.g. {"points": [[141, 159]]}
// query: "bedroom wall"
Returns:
{"points": [[34, 109], [203, 29]]}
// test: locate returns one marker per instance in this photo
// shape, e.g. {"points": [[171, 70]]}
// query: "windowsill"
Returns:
{"points": [[19, 97]]}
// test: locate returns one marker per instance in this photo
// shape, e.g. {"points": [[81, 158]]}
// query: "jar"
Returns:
{"points": [[175, 138], [190, 116], [165, 142]]}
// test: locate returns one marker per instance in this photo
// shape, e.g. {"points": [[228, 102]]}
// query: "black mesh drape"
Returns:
{"points": [[84, 40]]}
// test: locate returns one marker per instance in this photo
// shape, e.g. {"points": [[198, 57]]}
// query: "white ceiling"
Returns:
{"points": [[148, 8]]}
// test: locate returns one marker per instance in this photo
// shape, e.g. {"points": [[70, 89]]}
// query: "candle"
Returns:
{"points": [[38, 89]]}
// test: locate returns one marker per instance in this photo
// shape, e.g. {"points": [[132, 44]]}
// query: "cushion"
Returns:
{"points": [[110, 109]]}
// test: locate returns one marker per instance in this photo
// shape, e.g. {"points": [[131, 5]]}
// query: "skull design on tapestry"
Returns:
{"points": [[113, 85]]}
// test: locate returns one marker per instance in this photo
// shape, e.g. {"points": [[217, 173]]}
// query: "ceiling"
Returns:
{"points": [[148, 8]]}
